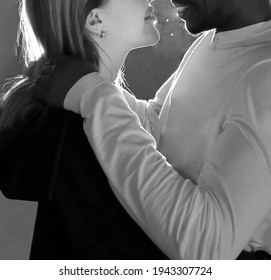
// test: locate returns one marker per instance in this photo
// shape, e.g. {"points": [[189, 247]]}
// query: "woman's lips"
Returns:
{"points": [[150, 14]]}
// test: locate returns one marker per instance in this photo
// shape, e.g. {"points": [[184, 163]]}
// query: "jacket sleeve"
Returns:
{"points": [[212, 219]]}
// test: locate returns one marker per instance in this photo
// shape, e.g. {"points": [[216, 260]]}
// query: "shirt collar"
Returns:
{"points": [[249, 35]]}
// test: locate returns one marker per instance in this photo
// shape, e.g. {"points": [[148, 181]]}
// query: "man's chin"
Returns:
{"points": [[193, 29]]}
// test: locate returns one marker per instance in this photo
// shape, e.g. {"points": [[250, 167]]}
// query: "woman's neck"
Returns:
{"points": [[110, 65]]}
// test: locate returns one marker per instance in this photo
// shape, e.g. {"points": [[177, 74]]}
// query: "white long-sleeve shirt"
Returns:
{"points": [[223, 202]]}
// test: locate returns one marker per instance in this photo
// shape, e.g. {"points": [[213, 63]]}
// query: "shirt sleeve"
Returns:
{"points": [[213, 219], [149, 111]]}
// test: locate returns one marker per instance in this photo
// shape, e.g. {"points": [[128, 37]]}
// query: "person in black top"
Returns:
{"points": [[44, 153]]}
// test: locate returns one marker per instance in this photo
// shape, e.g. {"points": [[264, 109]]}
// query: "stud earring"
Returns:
{"points": [[102, 34]]}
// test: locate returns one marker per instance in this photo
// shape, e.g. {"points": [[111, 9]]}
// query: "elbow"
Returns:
{"points": [[207, 233]]}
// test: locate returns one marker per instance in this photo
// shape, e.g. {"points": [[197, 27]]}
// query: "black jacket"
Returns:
{"points": [[46, 157]]}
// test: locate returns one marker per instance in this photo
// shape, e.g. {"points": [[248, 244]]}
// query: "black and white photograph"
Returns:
{"points": [[135, 130]]}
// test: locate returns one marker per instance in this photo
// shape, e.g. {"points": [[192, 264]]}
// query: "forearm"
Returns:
{"points": [[147, 116]]}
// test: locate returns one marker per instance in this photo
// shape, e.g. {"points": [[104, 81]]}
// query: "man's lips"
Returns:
{"points": [[183, 6], [182, 3]]}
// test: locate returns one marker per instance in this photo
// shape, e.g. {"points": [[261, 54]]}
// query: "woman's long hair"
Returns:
{"points": [[48, 29]]}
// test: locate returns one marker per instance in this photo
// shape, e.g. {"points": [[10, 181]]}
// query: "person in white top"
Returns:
{"points": [[211, 121]]}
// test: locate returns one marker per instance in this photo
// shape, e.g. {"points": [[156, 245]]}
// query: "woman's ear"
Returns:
{"points": [[95, 23]]}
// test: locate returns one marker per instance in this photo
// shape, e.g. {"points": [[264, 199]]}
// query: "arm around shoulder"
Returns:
{"points": [[213, 219]]}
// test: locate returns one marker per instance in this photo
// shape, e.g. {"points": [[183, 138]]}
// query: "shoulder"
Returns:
{"points": [[259, 75], [254, 88], [64, 73], [250, 103]]}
